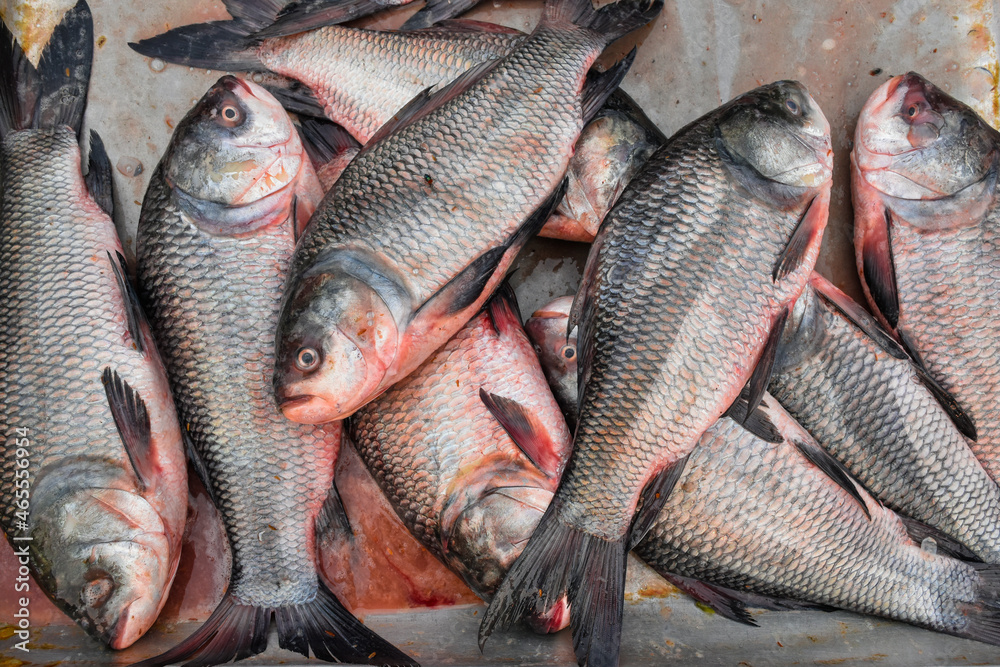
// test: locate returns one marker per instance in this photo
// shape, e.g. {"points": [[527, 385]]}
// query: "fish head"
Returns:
{"points": [[916, 142], [781, 133], [101, 549], [557, 352], [484, 531], [236, 150], [336, 340]]}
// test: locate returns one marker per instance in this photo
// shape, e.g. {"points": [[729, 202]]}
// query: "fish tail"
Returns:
{"points": [[237, 631], [54, 93], [561, 560], [221, 45], [611, 21]]}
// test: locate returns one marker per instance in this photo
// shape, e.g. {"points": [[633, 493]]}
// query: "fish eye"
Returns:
{"points": [[97, 591], [793, 106], [306, 359], [230, 115], [568, 351], [912, 110]]}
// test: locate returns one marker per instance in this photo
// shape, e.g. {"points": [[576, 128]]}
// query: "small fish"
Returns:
{"points": [[452, 473], [681, 306], [215, 237], [927, 241], [94, 483], [855, 389], [609, 153], [464, 178], [557, 353]]}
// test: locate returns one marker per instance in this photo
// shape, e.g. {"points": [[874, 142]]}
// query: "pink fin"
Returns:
{"points": [[526, 431]]}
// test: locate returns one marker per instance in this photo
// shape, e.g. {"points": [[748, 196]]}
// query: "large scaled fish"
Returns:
{"points": [[927, 238], [684, 293], [718, 527], [754, 515], [361, 78], [93, 482], [357, 78], [215, 236], [453, 475], [425, 221], [852, 386]]}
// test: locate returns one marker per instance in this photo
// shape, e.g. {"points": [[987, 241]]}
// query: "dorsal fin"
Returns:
{"points": [[132, 420], [526, 431], [471, 26], [427, 101]]}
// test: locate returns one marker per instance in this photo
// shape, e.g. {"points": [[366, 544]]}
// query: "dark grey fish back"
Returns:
{"points": [[872, 413], [61, 323], [452, 185], [682, 286], [213, 304]]}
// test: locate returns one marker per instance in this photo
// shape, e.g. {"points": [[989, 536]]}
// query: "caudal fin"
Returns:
{"points": [[236, 631], [560, 560], [611, 21], [54, 93], [221, 45]]}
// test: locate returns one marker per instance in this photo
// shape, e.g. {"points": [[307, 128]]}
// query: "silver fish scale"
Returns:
{"points": [[949, 296], [872, 413], [62, 322], [212, 301], [683, 296], [423, 434], [451, 186], [363, 77], [747, 513]]}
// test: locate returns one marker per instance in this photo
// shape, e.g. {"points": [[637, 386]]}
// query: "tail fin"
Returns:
{"points": [[236, 631], [222, 45], [612, 21], [982, 615], [560, 560], [435, 11], [55, 93]]}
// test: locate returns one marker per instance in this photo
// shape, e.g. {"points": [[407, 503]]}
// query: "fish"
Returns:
{"points": [[923, 178], [757, 515], [215, 236], [856, 390], [743, 501], [682, 302], [557, 353], [611, 150], [94, 483], [454, 477], [464, 178], [335, 64], [357, 78]]}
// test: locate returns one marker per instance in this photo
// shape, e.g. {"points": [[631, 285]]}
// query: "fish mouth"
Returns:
{"points": [[308, 409]]}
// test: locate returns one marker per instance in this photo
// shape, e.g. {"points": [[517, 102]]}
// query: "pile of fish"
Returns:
{"points": [[338, 278]]}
